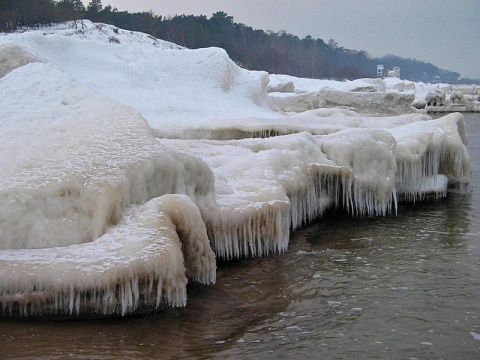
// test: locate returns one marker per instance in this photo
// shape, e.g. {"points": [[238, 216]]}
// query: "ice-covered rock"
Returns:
{"points": [[368, 103], [456, 97], [296, 102], [287, 87], [419, 104], [435, 97], [427, 149]]}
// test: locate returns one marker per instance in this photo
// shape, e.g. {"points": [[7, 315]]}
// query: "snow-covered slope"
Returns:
{"points": [[166, 84], [126, 159]]}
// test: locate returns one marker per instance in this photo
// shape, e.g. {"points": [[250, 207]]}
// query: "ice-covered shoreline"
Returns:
{"points": [[124, 163]]}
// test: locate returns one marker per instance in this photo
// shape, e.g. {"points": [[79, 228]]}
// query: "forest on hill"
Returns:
{"points": [[254, 49]]}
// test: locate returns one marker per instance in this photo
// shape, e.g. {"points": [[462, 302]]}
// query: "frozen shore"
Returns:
{"points": [[128, 167]]}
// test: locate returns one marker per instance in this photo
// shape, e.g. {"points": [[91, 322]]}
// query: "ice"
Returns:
{"points": [[370, 104], [367, 97], [423, 148], [72, 160], [361, 103], [136, 265], [12, 57], [435, 97], [301, 85], [125, 160]]}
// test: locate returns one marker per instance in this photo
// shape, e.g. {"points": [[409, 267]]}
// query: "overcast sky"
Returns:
{"points": [[445, 33]]}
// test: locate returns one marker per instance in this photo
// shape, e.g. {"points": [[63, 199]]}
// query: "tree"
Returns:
{"points": [[274, 52], [94, 8], [16, 14], [332, 43], [70, 10]]}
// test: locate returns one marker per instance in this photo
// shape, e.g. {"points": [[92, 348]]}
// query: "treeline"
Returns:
{"points": [[24, 14], [274, 52]]}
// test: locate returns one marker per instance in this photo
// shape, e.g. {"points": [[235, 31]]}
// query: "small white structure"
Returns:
{"points": [[380, 68]]}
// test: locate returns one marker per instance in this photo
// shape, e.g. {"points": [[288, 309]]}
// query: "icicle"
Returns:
{"points": [[440, 164]]}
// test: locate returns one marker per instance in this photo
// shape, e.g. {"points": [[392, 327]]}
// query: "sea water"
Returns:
{"points": [[404, 286]]}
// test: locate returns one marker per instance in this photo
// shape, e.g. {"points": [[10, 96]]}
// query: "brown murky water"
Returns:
{"points": [[405, 286]]}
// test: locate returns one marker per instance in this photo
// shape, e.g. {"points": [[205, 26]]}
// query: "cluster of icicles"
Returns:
{"points": [[143, 262]]}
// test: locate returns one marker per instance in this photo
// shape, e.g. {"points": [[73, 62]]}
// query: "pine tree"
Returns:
{"points": [[70, 10], [93, 10]]}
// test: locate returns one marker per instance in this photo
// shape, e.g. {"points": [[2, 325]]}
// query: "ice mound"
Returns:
{"points": [[366, 97], [429, 151], [73, 162], [136, 266]]}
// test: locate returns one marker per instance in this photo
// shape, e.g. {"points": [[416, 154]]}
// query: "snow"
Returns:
{"points": [[310, 85], [169, 86], [129, 164]]}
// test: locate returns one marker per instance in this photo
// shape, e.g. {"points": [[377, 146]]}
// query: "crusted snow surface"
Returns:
{"points": [[126, 160]]}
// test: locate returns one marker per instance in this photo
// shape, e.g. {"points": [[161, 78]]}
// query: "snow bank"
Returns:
{"points": [[187, 85]]}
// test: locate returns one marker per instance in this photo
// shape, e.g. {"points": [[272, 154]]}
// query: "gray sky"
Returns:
{"points": [[445, 33]]}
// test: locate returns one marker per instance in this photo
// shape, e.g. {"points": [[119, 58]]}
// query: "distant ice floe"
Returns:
{"points": [[129, 165]]}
